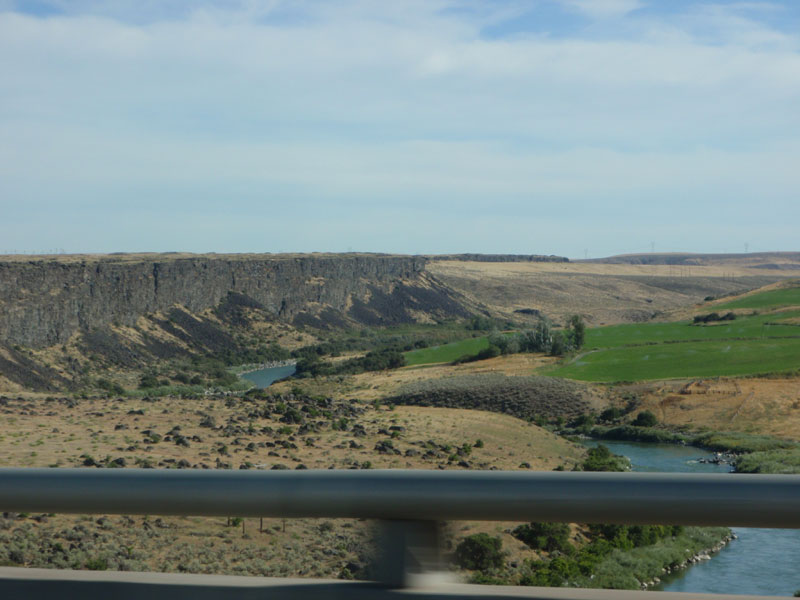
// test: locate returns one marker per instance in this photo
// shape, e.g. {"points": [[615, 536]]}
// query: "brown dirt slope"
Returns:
{"points": [[758, 406]]}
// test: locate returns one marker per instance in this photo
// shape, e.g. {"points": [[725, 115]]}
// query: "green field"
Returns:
{"points": [[756, 326], [749, 345], [685, 359], [771, 299], [446, 352]]}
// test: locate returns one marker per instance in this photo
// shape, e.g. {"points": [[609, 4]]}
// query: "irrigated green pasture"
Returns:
{"points": [[755, 326], [446, 352], [771, 299], [685, 359], [749, 345]]}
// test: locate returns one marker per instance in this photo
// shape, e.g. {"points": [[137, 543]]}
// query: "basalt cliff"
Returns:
{"points": [[173, 303]]}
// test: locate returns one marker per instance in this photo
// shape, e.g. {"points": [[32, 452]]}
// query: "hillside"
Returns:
{"points": [[603, 293], [789, 261], [257, 431]]}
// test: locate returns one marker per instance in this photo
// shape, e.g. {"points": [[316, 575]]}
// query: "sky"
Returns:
{"points": [[570, 127]]}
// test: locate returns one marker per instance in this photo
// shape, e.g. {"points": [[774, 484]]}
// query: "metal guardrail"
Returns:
{"points": [[633, 498], [409, 503]]}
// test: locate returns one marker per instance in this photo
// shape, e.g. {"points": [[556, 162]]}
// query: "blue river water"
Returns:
{"points": [[263, 378], [760, 562]]}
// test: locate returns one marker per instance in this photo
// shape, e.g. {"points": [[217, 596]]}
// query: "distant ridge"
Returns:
{"points": [[499, 257], [761, 260]]}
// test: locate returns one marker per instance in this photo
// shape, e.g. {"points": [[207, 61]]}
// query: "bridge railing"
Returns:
{"points": [[410, 503]]}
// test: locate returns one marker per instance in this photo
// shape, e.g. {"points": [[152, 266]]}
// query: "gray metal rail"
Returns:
{"points": [[633, 498], [408, 503]]}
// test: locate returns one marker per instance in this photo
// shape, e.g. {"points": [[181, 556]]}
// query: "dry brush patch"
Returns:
{"points": [[263, 431], [530, 398]]}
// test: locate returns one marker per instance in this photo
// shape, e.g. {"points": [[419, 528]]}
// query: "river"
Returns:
{"points": [[760, 562], [263, 378]]}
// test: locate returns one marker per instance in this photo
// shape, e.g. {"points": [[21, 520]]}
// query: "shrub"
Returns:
{"points": [[480, 552], [645, 419], [785, 461], [583, 423], [110, 386], [611, 414], [600, 458], [550, 573], [711, 317], [544, 536], [148, 381], [97, 564], [640, 434]]}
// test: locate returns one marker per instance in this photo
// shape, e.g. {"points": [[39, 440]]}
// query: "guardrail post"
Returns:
{"points": [[407, 550]]}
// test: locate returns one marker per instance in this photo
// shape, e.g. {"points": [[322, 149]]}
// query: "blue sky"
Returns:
{"points": [[418, 126]]}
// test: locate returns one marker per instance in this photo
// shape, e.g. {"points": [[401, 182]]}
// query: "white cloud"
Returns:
{"points": [[366, 108], [603, 9]]}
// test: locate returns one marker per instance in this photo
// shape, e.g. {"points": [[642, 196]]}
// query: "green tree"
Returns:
{"points": [[544, 536], [576, 331], [559, 345], [480, 552], [645, 419], [601, 458]]}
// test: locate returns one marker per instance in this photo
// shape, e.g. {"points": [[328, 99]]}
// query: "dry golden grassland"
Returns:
{"points": [[37, 432], [220, 432], [602, 293], [758, 405]]}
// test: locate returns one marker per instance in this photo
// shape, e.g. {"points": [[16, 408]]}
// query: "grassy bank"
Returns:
{"points": [[600, 556], [630, 569], [784, 462], [446, 352], [720, 441]]}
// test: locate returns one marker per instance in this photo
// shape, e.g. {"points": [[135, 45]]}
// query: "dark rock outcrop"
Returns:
{"points": [[44, 302]]}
